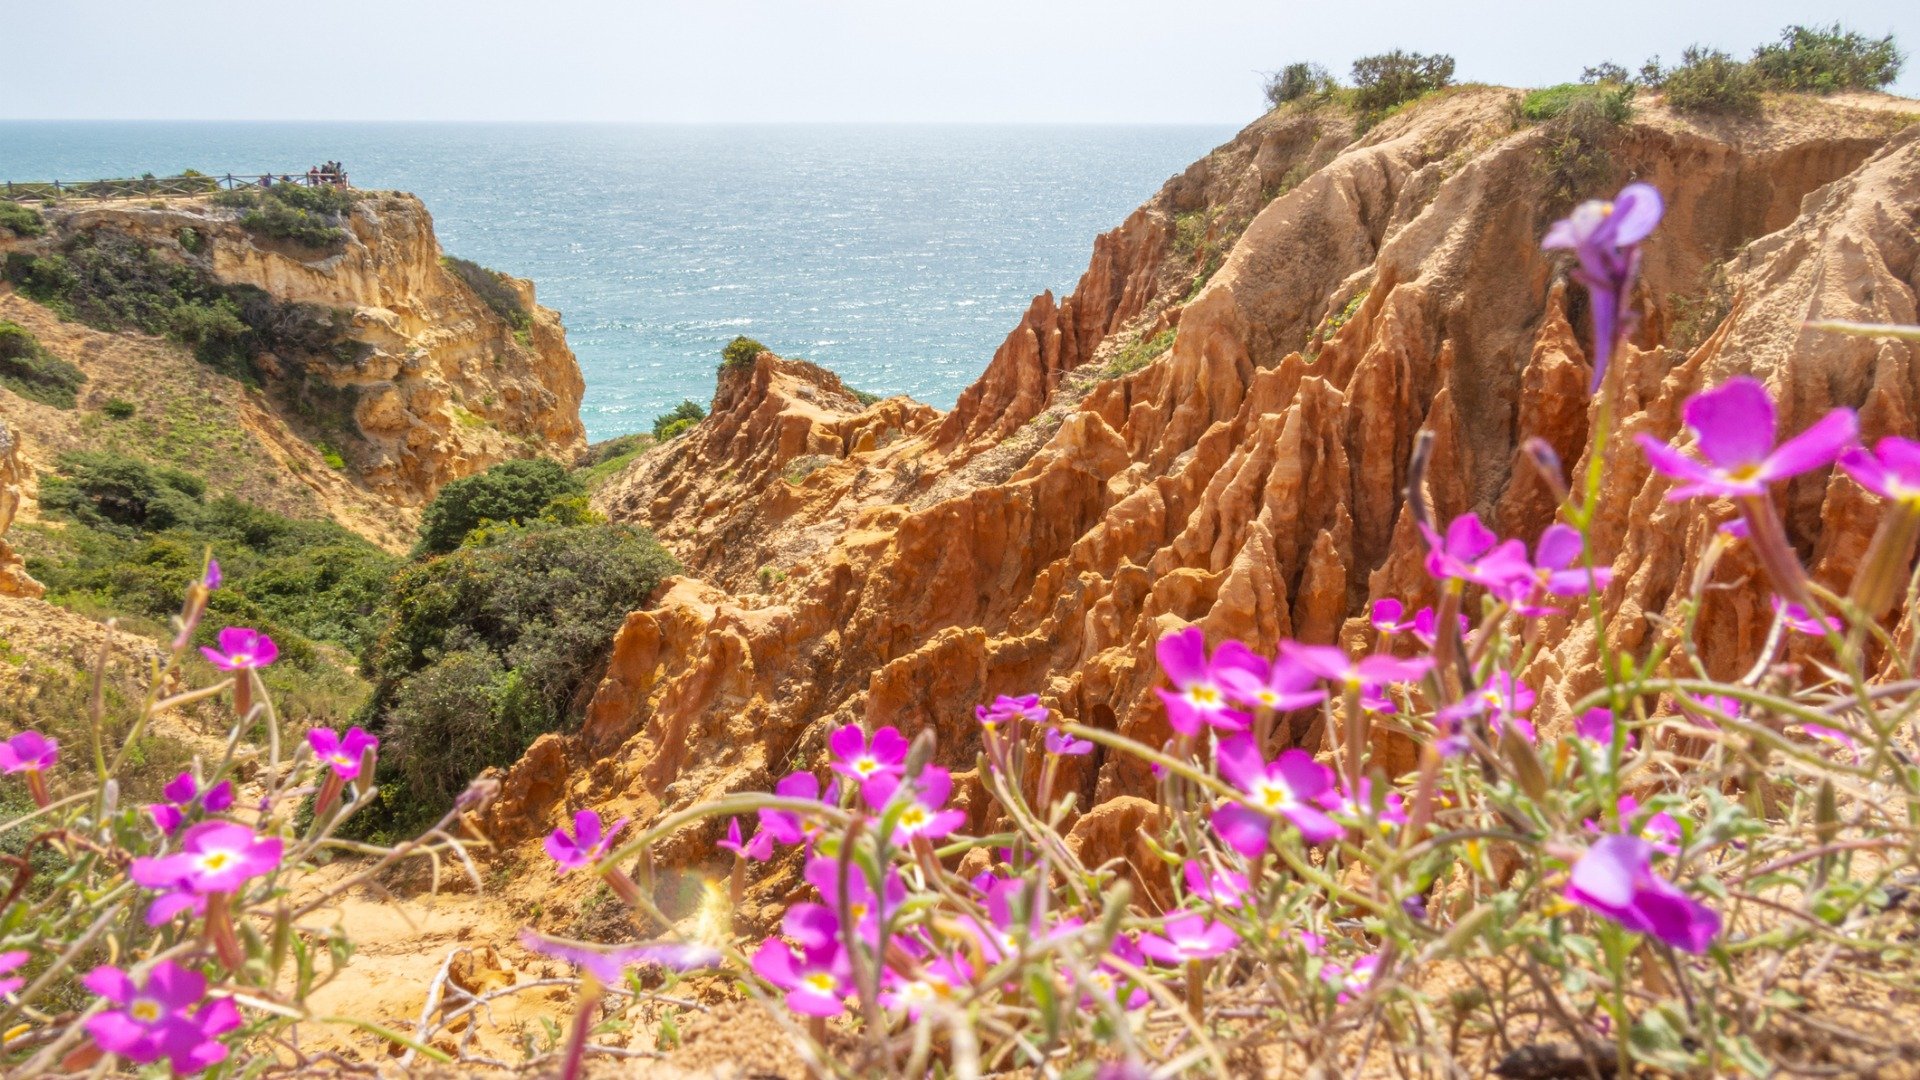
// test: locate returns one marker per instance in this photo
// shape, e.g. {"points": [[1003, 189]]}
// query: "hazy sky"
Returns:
{"points": [[799, 60]]}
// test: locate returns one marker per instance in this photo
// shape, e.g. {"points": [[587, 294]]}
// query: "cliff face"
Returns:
{"points": [[423, 382], [14, 580], [1043, 535]]}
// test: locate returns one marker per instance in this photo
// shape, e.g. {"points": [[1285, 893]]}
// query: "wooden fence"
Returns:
{"points": [[155, 187]]}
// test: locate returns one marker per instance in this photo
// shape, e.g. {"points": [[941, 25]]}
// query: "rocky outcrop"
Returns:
{"points": [[14, 580], [1250, 480], [424, 382]]}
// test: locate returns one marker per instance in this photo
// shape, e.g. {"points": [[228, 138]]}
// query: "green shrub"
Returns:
{"points": [[741, 352], [508, 634], [193, 241], [119, 409], [1296, 81], [110, 281], [1607, 72], [21, 220], [1823, 59], [28, 369], [683, 416], [1709, 81], [1610, 101], [1389, 79], [510, 492], [106, 491], [1140, 353], [865, 397], [311, 217], [493, 289]]}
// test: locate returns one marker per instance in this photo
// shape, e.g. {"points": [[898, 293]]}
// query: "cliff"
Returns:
{"points": [[383, 372]]}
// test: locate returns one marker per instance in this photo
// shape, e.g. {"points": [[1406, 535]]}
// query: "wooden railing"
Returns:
{"points": [[154, 187]]}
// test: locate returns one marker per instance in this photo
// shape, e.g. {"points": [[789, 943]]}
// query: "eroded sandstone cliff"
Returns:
{"points": [[1043, 535]]}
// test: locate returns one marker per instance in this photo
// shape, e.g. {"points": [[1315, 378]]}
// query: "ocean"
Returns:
{"points": [[898, 256]]}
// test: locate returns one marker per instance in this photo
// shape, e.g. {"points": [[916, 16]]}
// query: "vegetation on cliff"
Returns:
{"points": [[28, 369], [310, 217]]}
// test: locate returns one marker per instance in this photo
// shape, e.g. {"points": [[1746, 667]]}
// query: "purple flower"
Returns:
{"points": [[870, 913], [609, 965], [816, 977], [1351, 981], [1010, 710], [9, 962], [786, 826], [1555, 561], [1340, 801], [1659, 830], [759, 849], [1288, 787], [1472, 554], [1796, 617], [1710, 708], [1198, 698], [1223, 887], [214, 857], [29, 752], [926, 814], [1891, 470], [933, 982], [1503, 698], [1426, 624], [1605, 237], [1190, 937], [1736, 429], [168, 1015], [1615, 879], [859, 760], [241, 648], [183, 794], [212, 577], [1385, 616], [1060, 743], [1282, 685], [343, 755], [585, 845]]}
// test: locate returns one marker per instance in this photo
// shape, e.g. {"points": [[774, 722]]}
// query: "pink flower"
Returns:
{"points": [[214, 857], [242, 648], [786, 826], [1223, 887], [11, 961], [1615, 879], [1891, 470], [870, 913], [1735, 424], [1060, 743], [1556, 564], [609, 965], [926, 814], [1341, 801], [586, 845], [1710, 708], [1104, 983], [1503, 698], [1472, 554], [212, 577], [1351, 981], [1198, 699], [859, 760], [1597, 725], [816, 977], [29, 752], [168, 1015], [1372, 671], [1659, 830], [1385, 616], [343, 755], [759, 849], [1011, 710], [1190, 937], [1282, 685], [1795, 617], [1426, 623], [183, 796], [1288, 787], [936, 981]]}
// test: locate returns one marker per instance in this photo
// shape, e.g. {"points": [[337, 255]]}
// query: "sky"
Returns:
{"points": [[778, 61]]}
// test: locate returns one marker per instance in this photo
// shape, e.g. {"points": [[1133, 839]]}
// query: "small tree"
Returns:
{"points": [[1296, 81], [512, 491], [740, 352], [1388, 79], [1711, 81], [683, 416], [1823, 59]]}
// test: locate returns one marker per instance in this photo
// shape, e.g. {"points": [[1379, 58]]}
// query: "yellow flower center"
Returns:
{"points": [[1273, 795], [914, 818], [215, 861], [865, 765], [145, 1011], [1203, 696], [1268, 698], [820, 982]]}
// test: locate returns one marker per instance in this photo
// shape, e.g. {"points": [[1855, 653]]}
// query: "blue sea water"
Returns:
{"points": [[899, 256]]}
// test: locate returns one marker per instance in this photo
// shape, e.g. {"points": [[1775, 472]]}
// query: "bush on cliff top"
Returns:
{"points": [[28, 369], [1296, 81], [1388, 79], [311, 217], [510, 492], [740, 353], [21, 220], [678, 419], [1824, 59], [1708, 81], [493, 290], [1611, 102]]}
